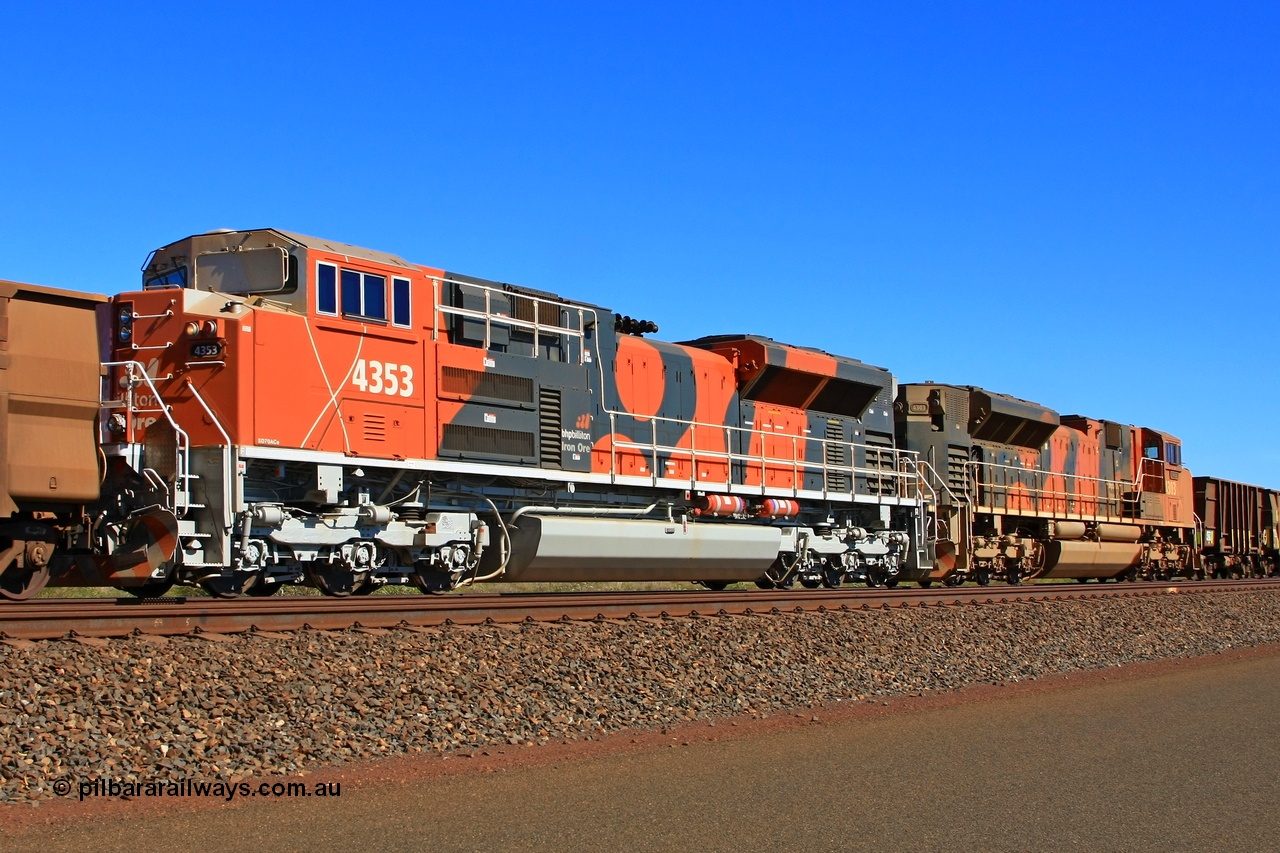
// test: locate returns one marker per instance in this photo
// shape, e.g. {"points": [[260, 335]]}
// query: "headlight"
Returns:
{"points": [[124, 324]]}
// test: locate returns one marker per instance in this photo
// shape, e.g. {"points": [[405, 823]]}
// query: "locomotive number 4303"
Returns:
{"points": [[375, 377]]}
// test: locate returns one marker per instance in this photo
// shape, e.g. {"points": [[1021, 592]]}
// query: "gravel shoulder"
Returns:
{"points": [[1166, 755], [327, 703]]}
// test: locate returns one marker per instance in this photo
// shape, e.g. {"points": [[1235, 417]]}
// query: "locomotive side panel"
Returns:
{"points": [[1165, 488], [809, 420], [512, 377], [351, 374]]}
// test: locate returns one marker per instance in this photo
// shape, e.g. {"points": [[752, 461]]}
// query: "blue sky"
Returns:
{"points": [[1075, 203]]}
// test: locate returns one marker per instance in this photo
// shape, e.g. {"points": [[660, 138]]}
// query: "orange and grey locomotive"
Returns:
{"points": [[314, 412], [1023, 492]]}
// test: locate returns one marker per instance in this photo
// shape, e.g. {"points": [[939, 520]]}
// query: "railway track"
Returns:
{"points": [[213, 618]]}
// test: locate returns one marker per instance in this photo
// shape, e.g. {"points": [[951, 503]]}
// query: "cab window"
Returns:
{"points": [[400, 301], [364, 295], [326, 288]]}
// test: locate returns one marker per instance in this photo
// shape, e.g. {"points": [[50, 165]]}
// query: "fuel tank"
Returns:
{"points": [[1089, 559], [553, 548]]}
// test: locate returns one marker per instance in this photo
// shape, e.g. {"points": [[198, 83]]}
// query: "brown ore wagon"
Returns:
{"points": [[49, 404]]}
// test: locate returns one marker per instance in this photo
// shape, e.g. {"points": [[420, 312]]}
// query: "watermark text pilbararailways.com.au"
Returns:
{"points": [[184, 788]]}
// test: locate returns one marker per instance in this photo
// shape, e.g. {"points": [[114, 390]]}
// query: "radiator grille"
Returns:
{"points": [[549, 427], [486, 441], [880, 458], [479, 383], [956, 479], [837, 457]]}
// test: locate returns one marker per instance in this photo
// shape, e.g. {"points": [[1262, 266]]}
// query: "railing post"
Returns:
{"points": [[653, 446]]}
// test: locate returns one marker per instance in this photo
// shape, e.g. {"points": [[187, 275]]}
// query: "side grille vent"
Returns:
{"points": [[880, 458], [375, 427], [549, 427], [956, 459], [478, 383], [486, 441], [957, 405], [837, 457]]}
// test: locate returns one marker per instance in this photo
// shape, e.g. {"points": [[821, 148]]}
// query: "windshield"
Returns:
{"points": [[247, 271], [173, 278]]}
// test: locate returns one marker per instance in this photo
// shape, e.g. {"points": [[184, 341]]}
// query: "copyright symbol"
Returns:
{"points": [[62, 787]]}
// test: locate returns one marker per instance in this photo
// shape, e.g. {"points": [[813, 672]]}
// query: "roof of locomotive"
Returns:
{"points": [[711, 340], [220, 239], [173, 255], [345, 249], [974, 389]]}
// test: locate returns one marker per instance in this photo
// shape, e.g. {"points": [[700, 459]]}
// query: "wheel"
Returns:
{"points": [[262, 589], [891, 583], [983, 577], [1082, 580], [716, 586], [832, 577], [229, 586], [20, 583], [779, 575], [925, 584], [953, 580], [336, 581], [432, 581], [152, 588], [810, 583]]}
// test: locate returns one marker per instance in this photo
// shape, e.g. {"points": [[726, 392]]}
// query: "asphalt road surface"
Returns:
{"points": [[1187, 759]]}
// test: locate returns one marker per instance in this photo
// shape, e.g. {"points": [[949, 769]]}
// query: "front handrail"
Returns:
{"points": [[135, 375], [228, 460]]}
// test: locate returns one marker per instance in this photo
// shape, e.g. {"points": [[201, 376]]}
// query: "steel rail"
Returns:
{"points": [[83, 617]]}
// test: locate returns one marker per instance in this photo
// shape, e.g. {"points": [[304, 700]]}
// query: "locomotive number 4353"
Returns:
{"points": [[375, 377]]}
